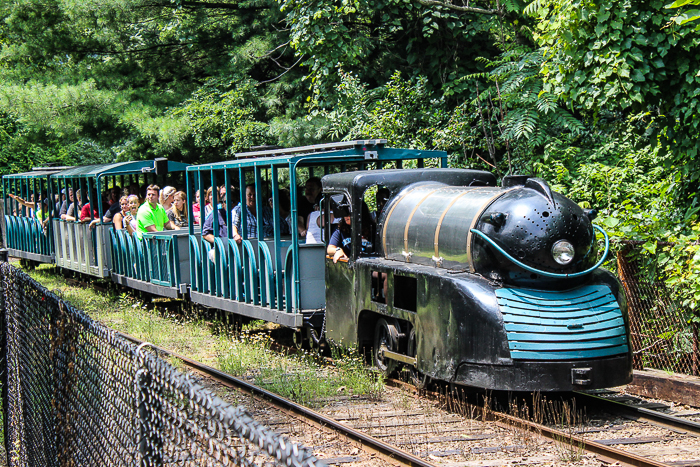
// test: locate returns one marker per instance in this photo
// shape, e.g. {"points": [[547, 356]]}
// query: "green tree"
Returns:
{"points": [[629, 58]]}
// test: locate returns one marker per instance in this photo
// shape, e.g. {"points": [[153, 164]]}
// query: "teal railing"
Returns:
{"points": [[155, 258], [244, 272], [27, 234]]}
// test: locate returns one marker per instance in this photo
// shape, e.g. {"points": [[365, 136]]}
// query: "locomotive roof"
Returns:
{"points": [[398, 178], [118, 168]]}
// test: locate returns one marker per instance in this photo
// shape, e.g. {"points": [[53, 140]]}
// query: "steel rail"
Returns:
{"points": [[599, 449], [362, 440], [607, 452], [641, 414]]}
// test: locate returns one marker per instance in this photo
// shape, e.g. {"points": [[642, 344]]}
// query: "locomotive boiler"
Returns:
{"points": [[464, 281]]}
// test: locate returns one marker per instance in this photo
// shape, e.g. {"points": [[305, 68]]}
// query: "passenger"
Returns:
{"points": [[64, 206], [208, 206], [339, 244], [130, 218], [72, 215], [167, 195], [305, 206], [196, 208], [313, 227], [178, 212], [112, 196], [42, 214], [86, 216], [134, 189], [27, 204], [208, 227], [251, 220], [119, 218], [382, 196], [59, 201], [151, 216], [114, 207], [284, 208]]}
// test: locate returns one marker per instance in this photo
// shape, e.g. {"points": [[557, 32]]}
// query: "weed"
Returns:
{"points": [[204, 337]]}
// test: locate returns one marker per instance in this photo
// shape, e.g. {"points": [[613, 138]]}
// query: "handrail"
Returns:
{"points": [[221, 264], [289, 291], [250, 273], [268, 290], [115, 242], [546, 273], [195, 260], [236, 272]]}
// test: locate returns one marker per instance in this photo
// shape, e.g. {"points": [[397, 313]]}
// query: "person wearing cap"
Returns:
{"points": [[341, 240], [42, 213]]}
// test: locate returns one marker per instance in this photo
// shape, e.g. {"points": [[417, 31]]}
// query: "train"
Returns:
{"points": [[443, 273]]}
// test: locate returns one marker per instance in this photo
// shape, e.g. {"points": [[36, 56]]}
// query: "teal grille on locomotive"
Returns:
{"points": [[582, 323]]}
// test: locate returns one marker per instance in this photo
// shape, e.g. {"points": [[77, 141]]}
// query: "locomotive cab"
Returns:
{"points": [[468, 282]]}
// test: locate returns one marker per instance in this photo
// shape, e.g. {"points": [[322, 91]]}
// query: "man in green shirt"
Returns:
{"points": [[151, 216]]}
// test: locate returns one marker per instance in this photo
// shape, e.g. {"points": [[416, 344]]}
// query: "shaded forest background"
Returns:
{"points": [[600, 99]]}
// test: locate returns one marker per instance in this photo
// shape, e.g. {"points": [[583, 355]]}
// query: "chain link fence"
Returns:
{"points": [[662, 335], [77, 394]]}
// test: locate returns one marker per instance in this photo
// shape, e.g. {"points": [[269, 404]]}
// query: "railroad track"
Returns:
{"points": [[424, 438]]}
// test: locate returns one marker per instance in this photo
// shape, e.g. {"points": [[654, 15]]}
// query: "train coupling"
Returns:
{"points": [[581, 376]]}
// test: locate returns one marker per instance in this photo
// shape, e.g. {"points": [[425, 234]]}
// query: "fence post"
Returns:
{"points": [[629, 283], [695, 348], [149, 442], [3, 360]]}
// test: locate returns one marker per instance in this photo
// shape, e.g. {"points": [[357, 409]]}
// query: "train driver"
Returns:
{"points": [[151, 216], [340, 242]]}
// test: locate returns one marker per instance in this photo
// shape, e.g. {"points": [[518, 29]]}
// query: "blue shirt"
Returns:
{"points": [[252, 222], [208, 227], [339, 240]]}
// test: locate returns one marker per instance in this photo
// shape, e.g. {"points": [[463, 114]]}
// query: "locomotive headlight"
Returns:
{"points": [[563, 252]]}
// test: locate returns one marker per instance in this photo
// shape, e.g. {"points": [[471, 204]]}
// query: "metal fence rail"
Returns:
{"points": [[662, 335], [77, 394]]}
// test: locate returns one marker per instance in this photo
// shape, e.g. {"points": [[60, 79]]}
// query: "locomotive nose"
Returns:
{"points": [[538, 227]]}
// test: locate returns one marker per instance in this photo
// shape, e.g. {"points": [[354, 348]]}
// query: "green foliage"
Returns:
{"points": [[112, 71], [627, 57], [402, 111], [373, 39], [686, 16], [220, 121], [21, 149]]}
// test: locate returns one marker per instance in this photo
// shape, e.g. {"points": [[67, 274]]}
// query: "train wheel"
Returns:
{"points": [[386, 334], [418, 379], [298, 339]]}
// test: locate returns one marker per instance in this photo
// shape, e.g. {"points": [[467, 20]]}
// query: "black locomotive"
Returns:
{"points": [[467, 282]]}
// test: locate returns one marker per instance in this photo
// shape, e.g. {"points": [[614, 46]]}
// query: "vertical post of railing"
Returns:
{"points": [[695, 348], [3, 356]]}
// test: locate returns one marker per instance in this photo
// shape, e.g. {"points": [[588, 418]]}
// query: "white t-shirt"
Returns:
{"points": [[313, 234]]}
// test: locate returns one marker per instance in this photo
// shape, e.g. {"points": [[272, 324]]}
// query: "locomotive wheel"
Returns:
{"points": [[386, 334], [418, 379]]}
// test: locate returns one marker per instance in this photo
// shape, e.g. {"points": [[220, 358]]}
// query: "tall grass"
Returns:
{"points": [[302, 377]]}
